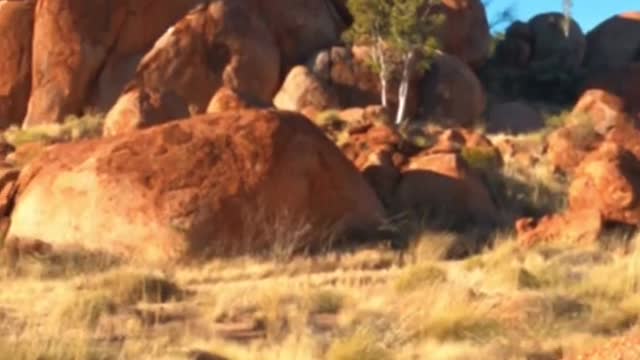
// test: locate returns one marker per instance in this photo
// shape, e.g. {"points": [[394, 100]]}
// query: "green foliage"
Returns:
{"points": [[73, 128], [396, 28], [557, 121], [481, 158], [412, 27], [402, 36], [326, 302]]}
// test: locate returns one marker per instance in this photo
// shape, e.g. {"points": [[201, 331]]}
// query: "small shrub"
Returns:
{"points": [[444, 312], [584, 134], [130, 288], [557, 121], [326, 302], [330, 119], [481, 158], [73, 128]]}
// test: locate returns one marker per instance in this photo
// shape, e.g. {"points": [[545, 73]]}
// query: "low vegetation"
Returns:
{"points": [[73, 128], [502, 303]]}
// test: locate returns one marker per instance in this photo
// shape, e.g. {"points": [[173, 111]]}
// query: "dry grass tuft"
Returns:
{"points": [[362, 345], [419, 276]]}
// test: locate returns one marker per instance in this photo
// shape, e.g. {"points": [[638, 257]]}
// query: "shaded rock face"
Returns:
{"points": [[465, 32], [621, 82], [541, 44], [551, 47], [302, 27], [217, 184], [452, 92], [614, 43], [85, 52], [16, 27]]}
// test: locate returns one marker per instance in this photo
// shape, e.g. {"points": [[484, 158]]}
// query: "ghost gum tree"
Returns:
{"points": [[567, 6], [401, 35]]}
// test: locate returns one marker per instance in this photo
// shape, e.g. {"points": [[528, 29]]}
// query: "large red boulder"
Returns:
{"points": [[577, 227], [16, 27], [245, 45], [85, 52], [223, 44], [604, 109], [444, 186], [217, 184], [608, 180]]}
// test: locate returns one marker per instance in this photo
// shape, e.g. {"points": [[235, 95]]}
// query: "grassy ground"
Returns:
{"points": [[372, 303], [504, 303]]}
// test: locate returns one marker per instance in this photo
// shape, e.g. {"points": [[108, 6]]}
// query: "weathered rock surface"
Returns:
{"points": [[443, 185], [302, 89], [16, 27], [608, 180], [212, 185], [569, 145], [598, 116], [302, 27], [246, 46], [574, 227], [614, 43], [85, 53], [605, 110]]}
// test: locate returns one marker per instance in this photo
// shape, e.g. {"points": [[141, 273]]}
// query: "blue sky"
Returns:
{"points": [[588, 13]]}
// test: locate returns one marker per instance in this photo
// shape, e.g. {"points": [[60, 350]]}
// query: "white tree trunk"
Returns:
{"points": [[403, 91], [379, 54]]}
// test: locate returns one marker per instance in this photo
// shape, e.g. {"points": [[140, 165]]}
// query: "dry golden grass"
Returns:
{"points": [[505, 303]]}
